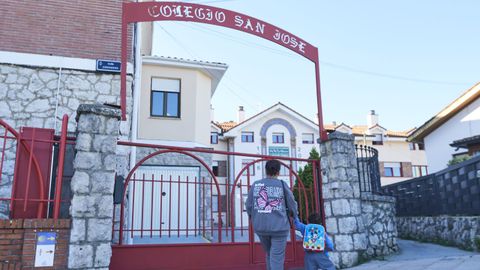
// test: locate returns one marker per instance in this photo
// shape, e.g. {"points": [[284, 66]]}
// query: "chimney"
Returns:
{"points": [[372, 118], [334, 123], [240, 114], [212, 113]]}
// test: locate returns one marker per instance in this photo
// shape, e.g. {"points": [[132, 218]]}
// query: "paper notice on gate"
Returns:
{"points": [[45, 249]]}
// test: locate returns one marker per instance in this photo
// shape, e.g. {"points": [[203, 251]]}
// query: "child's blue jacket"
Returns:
{"points": [[301, 228]]}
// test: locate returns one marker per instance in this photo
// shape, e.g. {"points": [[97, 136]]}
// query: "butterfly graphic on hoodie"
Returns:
{"points": [[264, 203]]}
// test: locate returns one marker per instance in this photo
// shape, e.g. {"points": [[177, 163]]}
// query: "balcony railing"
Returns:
{"points": [[368, 169]]}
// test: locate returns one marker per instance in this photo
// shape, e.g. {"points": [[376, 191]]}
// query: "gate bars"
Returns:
{"points": [[167, 204], [12, 139]]}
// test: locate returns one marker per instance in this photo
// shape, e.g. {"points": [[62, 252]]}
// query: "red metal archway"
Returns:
{"points": [[178, 11]]}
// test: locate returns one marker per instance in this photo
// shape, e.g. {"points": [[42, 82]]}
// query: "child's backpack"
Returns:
{"points": [[314, 238]]}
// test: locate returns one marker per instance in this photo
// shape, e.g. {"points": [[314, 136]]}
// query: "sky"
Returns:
{"points": [[406, 59]]}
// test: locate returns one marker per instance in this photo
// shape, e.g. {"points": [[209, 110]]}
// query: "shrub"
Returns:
{"points": [[457, 160]]}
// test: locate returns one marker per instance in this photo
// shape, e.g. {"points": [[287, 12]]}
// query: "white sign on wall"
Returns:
{"points": [[45, 251]]}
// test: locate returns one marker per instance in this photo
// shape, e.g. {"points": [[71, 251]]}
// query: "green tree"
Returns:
{"points": [[306, 176], [457, 160]]}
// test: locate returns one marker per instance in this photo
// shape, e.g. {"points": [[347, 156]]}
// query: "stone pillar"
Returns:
{"points": [[92, 187], [341, 193]]}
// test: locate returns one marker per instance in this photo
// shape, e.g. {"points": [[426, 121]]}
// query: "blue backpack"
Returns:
{"points": [[314, 237]]}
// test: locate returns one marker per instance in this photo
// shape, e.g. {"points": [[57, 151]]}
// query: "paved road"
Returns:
{"points": [[421, 256]]}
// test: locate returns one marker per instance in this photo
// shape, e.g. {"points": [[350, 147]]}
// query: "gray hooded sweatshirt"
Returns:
{"points": [[265, 206]]}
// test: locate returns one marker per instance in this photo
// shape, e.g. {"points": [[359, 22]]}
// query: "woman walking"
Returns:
{"points": [[269, 205]]}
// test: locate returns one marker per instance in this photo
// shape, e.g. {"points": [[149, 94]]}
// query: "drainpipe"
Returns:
{"points": [[58, 96]]}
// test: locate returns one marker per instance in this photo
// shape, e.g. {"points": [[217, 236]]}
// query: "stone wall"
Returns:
{"points": [[362, 225], [460, 231], [28, 95], [92, 187], [39, 97], [379, 218], [341, 193]]}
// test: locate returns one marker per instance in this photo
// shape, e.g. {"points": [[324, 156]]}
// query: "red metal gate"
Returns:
{"points": [[175, 216], [25, 165]]}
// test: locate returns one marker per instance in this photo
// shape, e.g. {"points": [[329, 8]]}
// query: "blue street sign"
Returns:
{"points": [[108, 65]]}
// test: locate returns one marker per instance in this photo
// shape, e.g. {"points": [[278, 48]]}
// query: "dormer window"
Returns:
{"points": [[377, 139]]}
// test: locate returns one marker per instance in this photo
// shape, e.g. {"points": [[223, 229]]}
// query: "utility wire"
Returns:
{"points": [[325, 63], [227, 76], [389, 76], [206, 70]]}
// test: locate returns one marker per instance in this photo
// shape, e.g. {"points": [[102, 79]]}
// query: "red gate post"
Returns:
{"points": [[61, 159]]}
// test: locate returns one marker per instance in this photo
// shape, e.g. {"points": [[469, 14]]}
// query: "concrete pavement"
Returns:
{"points": [[422, 256]]}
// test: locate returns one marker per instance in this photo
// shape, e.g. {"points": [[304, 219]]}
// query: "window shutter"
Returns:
{"points": [[407, 169], [382, 168], [222, 168]]}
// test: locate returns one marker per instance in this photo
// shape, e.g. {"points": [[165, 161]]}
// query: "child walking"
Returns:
{"points": [[315, 259]]}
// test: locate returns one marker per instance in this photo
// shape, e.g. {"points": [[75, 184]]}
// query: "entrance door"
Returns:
{"points": [[164, 200]]}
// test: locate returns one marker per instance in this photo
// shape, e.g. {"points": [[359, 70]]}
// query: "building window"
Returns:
{"points": [[247, 136], [214, 137], [419, 170], [251, 168], [165, 98], [411, 146], [378, 139], [392, 169], [278, 138], [307, 138], [421, 146], [215, 168]]}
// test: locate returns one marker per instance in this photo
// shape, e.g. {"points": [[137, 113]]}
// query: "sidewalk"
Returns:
{"points": [[421, 256]]}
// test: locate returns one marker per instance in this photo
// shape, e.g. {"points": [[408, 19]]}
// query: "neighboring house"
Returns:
{"points": [[172, 107], [454, 131], [399, 160], [174, 101], [276, 131]]}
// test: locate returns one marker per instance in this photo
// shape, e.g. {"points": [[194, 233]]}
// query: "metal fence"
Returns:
{"points": [[26, 186], [453, 191], [164, 202], [368, 170]]}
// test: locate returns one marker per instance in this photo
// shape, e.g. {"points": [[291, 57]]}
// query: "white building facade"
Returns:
{"points": [[457, 121], [399, 160], [276, 131]]}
